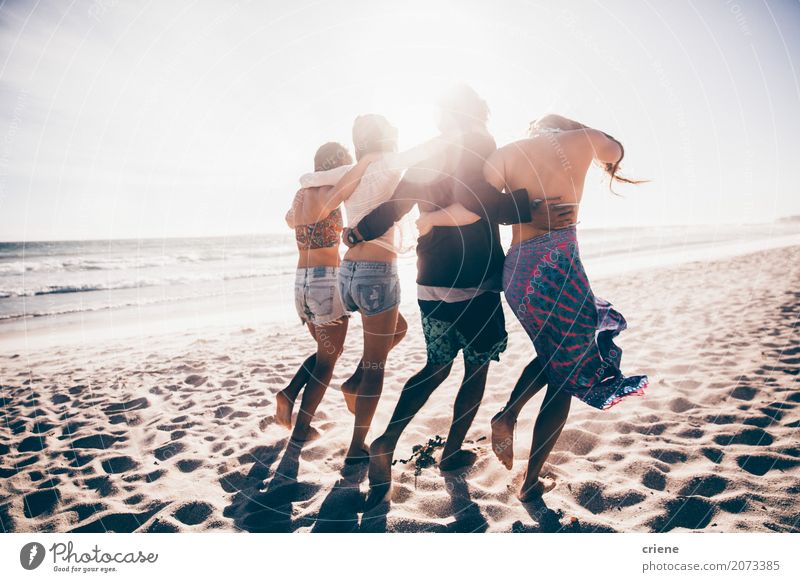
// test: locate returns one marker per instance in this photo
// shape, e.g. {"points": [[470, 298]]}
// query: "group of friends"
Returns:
{"points": [[465, 188]]}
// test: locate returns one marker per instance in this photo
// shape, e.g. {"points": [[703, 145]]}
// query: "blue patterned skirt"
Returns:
{"points": [[572, 330]]}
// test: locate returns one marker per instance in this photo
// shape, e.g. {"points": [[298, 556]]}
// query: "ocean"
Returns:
{"points": [[168, 284]]}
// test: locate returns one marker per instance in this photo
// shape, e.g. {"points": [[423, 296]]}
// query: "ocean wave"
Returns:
{"points": [[136, 283], [96, 263], [138, 302]]}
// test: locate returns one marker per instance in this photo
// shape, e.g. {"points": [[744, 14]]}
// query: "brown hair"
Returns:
{"points": [[373, 133], [559, 122], [331, 155]]}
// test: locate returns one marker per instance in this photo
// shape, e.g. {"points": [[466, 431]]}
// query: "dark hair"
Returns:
{"points": [[331, 155], [373, 133], [464, 106], [559, 122]]}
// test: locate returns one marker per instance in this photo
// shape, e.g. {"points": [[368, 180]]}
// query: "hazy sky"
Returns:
{"points": [[139, 119]]}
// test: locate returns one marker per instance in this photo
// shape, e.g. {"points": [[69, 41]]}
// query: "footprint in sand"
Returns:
{"points": [[763, 464], [119, 522], [41, 502], [653, 479], [189, 465], [577, 441], [681, 405], [195, 380], [668, 456], [30, 444], [97, 441], [752, 437], [705, 486], [102, 485], [193, 513], [169, 450], [591, 495], [223, 411], [685, 512], [743, 393], [42, 427], [712, 454], [119, 464], [129, 406]]}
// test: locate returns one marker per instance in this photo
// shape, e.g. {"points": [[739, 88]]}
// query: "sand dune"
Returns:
{"points": [[176, 433]]}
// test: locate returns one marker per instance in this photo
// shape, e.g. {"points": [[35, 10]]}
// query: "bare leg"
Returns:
{"points": [[530, 382], [285, 399], [549, 423], [379, 332], [413, 397], [464, 410], [350, 386], [330, 341]]}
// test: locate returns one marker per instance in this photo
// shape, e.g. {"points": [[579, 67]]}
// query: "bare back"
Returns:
{"points": [[549, 165], [309, 211]]}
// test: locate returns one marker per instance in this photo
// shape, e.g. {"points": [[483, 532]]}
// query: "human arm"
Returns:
{"points": [[606, 149], [418, 154], [295, 208], [324, 177], [480, 188], [453, 215], [329, 200], [380, 219]]}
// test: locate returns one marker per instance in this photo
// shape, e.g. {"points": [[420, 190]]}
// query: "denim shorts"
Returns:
{"points": [[369, 287], [316, 295]]}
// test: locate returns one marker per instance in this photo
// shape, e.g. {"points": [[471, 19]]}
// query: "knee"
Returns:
{"points": [[400, 330], [323, 367], [400, 333], [371, 379], [533, 365], [557, 400], [428, 378]]}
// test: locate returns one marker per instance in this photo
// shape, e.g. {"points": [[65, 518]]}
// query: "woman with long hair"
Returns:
{"points": [[547, 289]]}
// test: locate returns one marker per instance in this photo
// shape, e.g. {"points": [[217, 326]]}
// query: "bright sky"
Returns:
{"points": [[186, 118]]}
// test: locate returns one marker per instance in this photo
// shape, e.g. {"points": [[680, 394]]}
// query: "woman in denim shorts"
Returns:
{"points": [[368, 281], [316, 292]]}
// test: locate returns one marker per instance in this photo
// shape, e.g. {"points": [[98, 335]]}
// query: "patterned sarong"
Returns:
{"points": [[572, 330]]}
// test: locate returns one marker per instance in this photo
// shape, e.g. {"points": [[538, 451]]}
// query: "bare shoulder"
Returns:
{"points": [[598, 144]]}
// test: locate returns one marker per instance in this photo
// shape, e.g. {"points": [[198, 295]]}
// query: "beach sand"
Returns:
{"points": [[176, 433]]}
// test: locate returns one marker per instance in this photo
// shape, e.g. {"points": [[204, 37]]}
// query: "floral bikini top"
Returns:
{"points": [[320, 235]]}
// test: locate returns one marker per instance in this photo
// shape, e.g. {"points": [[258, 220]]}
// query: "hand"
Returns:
{"points": [[547, 215], [424, 224], [346, 237]]}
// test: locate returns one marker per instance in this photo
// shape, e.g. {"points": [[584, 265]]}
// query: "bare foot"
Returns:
{"points": [[350, 389], [529, 491], [300, 435], [357, 456], [380, 473], [503, 437], [457, 460], [284, 406]]}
